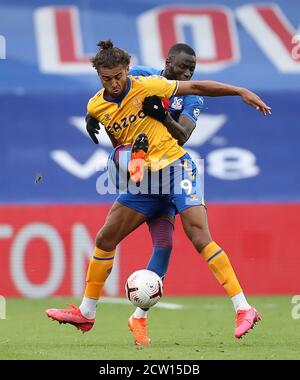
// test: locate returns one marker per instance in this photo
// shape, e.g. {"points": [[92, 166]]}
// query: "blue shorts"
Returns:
{"points": [[166, 192]]}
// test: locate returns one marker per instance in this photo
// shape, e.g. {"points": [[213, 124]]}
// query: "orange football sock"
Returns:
{"points": [[220, 265], [99, 269]]}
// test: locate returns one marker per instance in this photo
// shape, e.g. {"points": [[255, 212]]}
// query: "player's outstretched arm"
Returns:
{"points": [[211, 88]]}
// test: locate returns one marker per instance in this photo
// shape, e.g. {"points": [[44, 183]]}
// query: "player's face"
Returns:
{"points": [[114, 80], [181, 66]]}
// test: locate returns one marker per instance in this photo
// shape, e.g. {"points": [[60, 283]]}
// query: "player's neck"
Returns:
{"points": [[165, 73]]}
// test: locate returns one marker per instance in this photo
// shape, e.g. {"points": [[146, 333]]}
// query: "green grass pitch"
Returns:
{"points": [[203, 329]]}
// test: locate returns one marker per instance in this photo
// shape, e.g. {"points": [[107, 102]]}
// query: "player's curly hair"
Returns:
{"points": [[109, 56]]}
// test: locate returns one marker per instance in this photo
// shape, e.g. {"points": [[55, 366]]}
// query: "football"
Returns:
{"points": [[144, 288]]}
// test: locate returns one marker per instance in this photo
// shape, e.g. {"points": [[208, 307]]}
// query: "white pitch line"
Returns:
{"points": [[124, 301]]}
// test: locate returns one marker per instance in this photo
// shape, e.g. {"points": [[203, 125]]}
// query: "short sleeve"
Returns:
{"points": [[160, 86], [143, 71], [92, 104], [192, 107], [90, 107]]}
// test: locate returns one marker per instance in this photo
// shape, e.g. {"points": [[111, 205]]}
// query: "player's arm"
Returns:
{"points": [[92, 127], [211, 88], [154, 106], [192, 106], [181, 130]]}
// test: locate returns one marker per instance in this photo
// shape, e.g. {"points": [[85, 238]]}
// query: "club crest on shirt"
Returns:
{"points": [[107, 117], [177, 103], [137, 103], [196, 113]]}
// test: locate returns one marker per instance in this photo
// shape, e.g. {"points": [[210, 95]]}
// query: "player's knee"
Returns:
{"points": [[104, 242]]}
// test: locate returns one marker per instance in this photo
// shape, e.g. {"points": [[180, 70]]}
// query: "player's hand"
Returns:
{"points": [[255, 101], [92, 127], [153, 106]]}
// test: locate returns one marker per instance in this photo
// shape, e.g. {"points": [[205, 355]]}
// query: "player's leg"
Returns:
{"points": [[195, 224], [161, 230], [120, 221], [189, 203]]}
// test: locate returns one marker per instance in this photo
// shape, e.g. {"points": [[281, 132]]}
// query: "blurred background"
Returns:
{"points": [[50, 210]]}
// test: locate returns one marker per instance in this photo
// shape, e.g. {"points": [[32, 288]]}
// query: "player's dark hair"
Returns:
{"points": [[178, 48], [109, 56]]}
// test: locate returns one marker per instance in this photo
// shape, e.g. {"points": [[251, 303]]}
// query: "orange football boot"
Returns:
{"points": [[137, 162], [138, 326]]}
